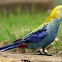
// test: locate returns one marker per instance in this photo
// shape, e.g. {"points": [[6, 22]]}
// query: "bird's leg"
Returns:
{"points": [[40, 53], [45, 52]]}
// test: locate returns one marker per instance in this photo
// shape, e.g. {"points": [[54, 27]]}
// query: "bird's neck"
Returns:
{"points": [[51, 17]]}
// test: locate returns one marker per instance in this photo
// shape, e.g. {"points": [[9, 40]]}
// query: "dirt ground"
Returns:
{"points": [[9, 57]]}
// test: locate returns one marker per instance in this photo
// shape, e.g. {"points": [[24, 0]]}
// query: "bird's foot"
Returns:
{"points": [[43, 54], [48, 54]]}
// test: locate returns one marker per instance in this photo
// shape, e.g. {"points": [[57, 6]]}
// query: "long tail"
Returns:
{"points": [[9, 47]]}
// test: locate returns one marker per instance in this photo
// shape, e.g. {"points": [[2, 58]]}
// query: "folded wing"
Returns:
{"points": [[36, 36]]}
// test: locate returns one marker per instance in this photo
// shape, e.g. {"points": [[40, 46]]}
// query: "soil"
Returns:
{"points": [[10, 57]]}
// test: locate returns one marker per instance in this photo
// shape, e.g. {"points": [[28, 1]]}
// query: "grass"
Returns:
{"points": [[18, 26]]}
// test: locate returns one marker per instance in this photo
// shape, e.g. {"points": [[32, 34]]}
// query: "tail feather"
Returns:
{"points": [[11, 46], [6, 46]]}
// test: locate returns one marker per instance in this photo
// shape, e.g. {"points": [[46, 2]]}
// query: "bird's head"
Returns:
{"points": [[57, 12]]}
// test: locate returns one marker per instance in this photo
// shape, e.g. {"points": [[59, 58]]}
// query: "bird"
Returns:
{"points": [[41, 36]]}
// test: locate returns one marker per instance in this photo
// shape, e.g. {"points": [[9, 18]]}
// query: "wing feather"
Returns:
{"points": [[37, 35]]}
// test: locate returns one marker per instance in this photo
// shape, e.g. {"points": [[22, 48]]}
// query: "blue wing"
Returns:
{"points": [[36, 36]]}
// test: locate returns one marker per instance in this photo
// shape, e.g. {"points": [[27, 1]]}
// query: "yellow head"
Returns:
{"points": [[56, 14]]}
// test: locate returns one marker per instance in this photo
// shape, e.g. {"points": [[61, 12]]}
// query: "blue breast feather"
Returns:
{"points": [[36, 36]]}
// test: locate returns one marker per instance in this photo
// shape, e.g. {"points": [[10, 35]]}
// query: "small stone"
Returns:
{"points": [[56, 39]]}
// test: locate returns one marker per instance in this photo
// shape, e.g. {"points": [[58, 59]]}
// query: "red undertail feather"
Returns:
{"points": [[23, 45]]}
